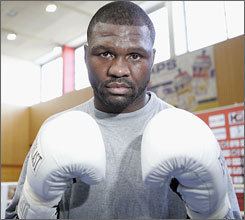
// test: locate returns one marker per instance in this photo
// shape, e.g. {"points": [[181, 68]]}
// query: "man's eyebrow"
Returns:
{"points": [[129, 50], [137, 49], [100, 47]]}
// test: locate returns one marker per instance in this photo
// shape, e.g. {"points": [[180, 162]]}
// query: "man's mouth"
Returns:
{"points": [[117, 88]]}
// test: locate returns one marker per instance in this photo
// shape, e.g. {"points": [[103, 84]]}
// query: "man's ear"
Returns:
{"points": [[153, 58], [85, 52], [153, 55]]}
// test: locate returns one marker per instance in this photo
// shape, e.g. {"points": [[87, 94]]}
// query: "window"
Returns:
{"points": [[160, 22], [20, 81], [81, 73], [234, 13], [179, 31], [51, 79], [198, 24], [205, 22]]}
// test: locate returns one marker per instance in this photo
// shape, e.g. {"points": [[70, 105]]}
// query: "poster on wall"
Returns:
{"points": [[227, 124], [186, 81]]}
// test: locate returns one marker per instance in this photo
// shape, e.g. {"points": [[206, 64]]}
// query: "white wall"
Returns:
{"points": [[20, 81]]}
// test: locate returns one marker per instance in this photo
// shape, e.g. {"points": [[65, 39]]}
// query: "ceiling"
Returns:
{"points": [[38, 31]]}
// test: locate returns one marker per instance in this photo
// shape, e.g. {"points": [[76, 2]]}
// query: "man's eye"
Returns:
{"points": [[135, 56], [106, 55]]}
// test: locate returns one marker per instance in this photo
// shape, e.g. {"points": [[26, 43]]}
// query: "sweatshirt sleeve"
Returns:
{"points": [[234, 212], [11, 212]]}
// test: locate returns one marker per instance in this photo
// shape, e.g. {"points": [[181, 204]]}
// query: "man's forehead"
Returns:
{"points": [[120, 30], [120, 36]]}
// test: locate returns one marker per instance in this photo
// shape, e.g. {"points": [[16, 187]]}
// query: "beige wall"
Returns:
{"points": [[14, 140], [19, 125]]}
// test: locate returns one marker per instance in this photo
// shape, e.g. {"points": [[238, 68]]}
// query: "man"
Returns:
{"points": [[119, 57]]}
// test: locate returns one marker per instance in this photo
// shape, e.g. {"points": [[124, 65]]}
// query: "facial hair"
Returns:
{"points": [[117, 103]]}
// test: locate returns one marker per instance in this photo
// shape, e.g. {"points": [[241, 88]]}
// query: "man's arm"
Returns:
{"points": [[66, 148], [193, 159], [10, 212], [234, 212]]}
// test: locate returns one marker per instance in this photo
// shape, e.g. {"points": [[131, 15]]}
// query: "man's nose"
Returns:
{"points": [[119, 68]]}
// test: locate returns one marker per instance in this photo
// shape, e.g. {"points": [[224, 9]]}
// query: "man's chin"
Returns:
{"points": [[118, 101]]}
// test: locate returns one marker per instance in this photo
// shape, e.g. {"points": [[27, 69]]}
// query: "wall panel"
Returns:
{"points": [[229, 62], [14, 134], [10, 173], [14, 140]]}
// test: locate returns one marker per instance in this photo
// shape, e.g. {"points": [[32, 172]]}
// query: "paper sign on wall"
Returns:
{"points": [[187, 80]]}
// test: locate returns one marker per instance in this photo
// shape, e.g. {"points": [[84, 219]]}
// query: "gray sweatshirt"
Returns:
{"points": [[122, 195]]}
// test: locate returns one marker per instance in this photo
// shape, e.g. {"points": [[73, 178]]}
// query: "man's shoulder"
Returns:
{"points": [[87, 106], [84, 107], [159, 103]]}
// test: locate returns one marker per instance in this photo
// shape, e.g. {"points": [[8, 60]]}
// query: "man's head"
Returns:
{"points": [[121, 13], [119, 56]]}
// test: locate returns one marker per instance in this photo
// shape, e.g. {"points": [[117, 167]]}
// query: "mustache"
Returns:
{"points": [[124, 81]]}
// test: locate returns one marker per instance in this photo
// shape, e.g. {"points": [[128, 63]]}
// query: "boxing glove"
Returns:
{"points": [[178, 145], [67, 146]]}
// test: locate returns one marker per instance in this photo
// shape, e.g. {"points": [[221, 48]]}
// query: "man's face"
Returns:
{"points": [[119, 59]]}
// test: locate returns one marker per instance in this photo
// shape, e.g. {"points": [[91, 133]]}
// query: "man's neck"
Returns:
{"points": [[136, 105]]}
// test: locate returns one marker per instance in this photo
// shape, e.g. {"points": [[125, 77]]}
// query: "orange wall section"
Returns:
{"points": [[14, 140], [229, 64]]}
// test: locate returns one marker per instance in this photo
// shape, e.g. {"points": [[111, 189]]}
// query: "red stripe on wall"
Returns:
{"points": [[68, 55]]}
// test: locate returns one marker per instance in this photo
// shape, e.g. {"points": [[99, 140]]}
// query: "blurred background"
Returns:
{"points": [[199, 67]]}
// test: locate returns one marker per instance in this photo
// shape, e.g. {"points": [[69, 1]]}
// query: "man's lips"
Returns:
{"points": [[117, 88]]}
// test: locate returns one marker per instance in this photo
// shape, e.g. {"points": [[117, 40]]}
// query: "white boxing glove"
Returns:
{"points": [[177, 144], [68, 146]]}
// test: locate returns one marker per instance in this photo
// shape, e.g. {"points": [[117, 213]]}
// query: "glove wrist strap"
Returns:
{"points": [[220, 213]]}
